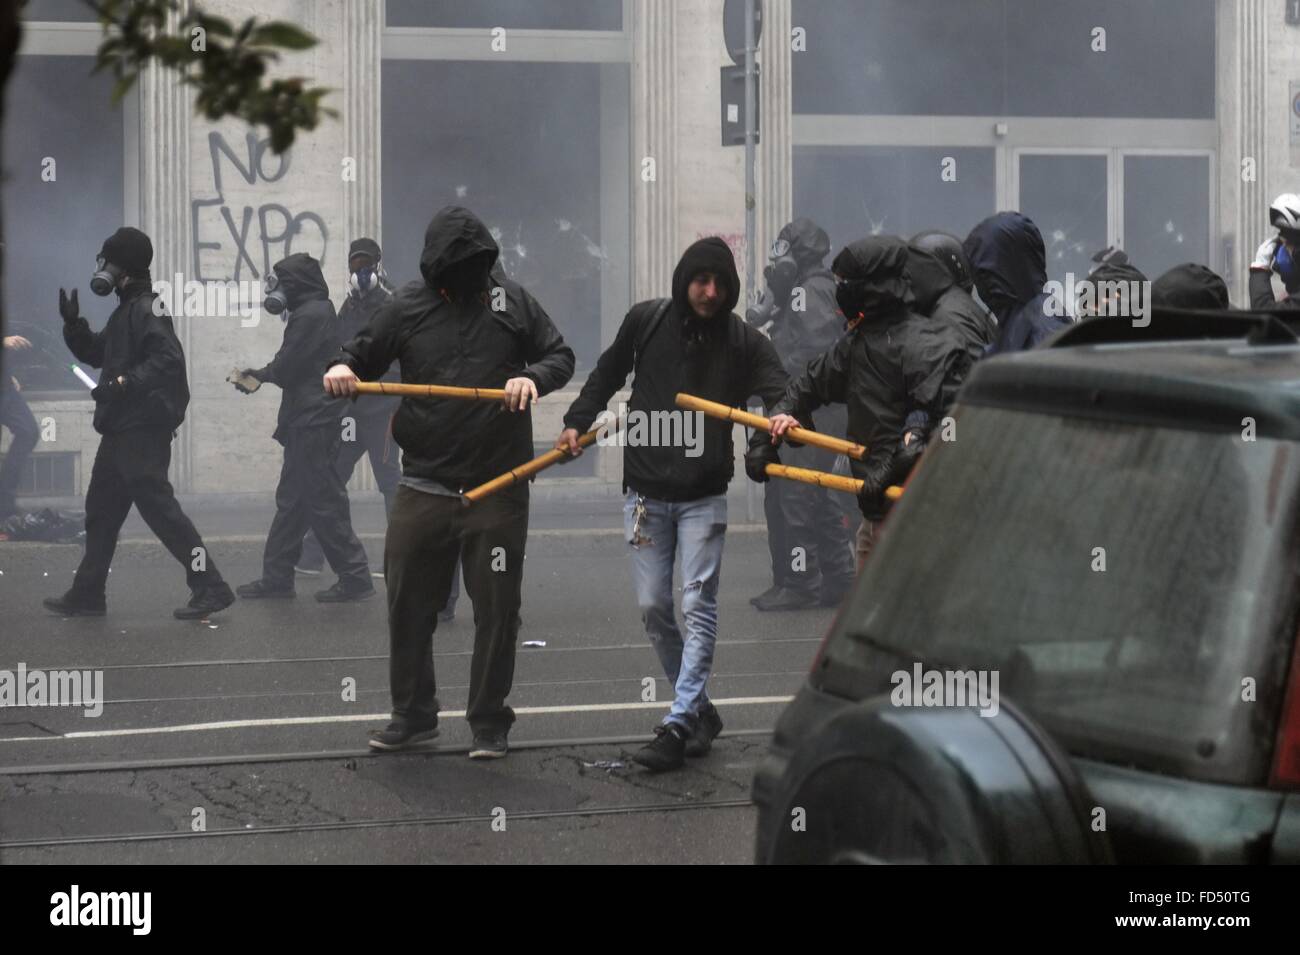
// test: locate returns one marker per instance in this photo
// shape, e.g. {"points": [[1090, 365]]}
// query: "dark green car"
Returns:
{"points": [[1104, 558]]}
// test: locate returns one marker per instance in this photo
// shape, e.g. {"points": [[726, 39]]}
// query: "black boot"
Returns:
{"points": [[76, 605], [666, 751], [788, 599], [265, 588], [204, 603]]}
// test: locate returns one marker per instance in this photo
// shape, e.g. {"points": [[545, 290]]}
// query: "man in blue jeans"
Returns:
{"points": [[677, 467]]}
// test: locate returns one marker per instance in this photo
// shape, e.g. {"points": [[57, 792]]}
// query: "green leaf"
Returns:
{"points": [[123, 84], [282, 34]]}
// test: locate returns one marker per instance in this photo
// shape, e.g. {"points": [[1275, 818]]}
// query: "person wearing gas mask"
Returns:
{"points": [[812, 555], [140, 401], [1115, 288], [676, 506], [1279, 255], [368, 289], [1010, 262], [893, 369], [457, 325], [311, 493]]}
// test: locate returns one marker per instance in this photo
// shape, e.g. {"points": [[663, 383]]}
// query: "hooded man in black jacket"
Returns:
{"points": [[369, 434], [676, 483], [812, 556], [139, 403], [942, 281], [311, 494], [1010, 262], [458, 326], [1191, 286], [897, 370]]}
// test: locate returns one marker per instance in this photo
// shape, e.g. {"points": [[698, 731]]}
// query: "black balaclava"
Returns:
{"points": [[872, 278], [127, 252]]}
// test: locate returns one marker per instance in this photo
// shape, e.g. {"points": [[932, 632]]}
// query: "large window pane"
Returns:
{"points": [[55, 229], [1066, 198], [58, 10], [854, 192], [532, 15], [1166, 211], [1006, 57], [520, 145]]}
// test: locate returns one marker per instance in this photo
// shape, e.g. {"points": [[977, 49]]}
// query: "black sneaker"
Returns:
{"points": [[264, 588], [489, 745], [206, 602], [707, 728], [833, 594], [787, 598], [765, 595], [401, 736], [666, 751], [346, 590], [72, 605]]}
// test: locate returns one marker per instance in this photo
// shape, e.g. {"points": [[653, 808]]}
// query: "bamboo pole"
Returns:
{"points": [[801, 435], [429, 391], [539, 463], [824, 479]]}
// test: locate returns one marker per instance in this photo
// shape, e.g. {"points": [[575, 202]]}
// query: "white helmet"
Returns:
{"points": [[1285, 212]]}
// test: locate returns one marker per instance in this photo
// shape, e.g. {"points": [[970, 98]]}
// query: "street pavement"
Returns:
{"points": [[242, 738]]}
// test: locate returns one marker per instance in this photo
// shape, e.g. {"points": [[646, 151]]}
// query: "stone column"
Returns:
{"points": [[654, 136], [363, 27], [776, 101], [1243, 109]]}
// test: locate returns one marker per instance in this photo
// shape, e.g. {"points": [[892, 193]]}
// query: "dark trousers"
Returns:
{"points": [[131, 468], [372, 438], [809, 542], [312, 495], [18, 418], [425, 534]]}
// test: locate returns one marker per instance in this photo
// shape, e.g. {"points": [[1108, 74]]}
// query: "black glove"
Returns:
{"points": [[879, 470], [109, 390], [68, 306], [758, 457]]}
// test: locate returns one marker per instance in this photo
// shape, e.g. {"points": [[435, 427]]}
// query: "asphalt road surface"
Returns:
{"points": [[231, 740]]}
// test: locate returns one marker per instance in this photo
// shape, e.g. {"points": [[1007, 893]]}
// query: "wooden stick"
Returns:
{"points": [[539, 463], [833, 482], [801, 435], [429, 391]]}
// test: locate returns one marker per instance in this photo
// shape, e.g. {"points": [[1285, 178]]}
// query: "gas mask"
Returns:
{"points": [[274, 300], [363, 280], [106, 276], [782, 271]]}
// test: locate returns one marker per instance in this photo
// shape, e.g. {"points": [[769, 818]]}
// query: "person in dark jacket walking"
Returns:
{"points": [[812, 556], [676, 504], [370, 432], [1010, 262], [140, 401], [311, 492], [458, 326], [896, 370]]}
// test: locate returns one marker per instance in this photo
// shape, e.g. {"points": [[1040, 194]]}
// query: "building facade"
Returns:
{"points": [[587, 134]]}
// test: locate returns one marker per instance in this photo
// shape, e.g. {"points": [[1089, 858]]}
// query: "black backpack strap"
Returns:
{"points": [[649, 326]]}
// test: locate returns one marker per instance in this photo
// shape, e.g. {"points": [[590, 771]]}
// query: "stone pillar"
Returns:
{"points": [[165, 108], [363, 27], [654, 136], [776, 100], [1244, 110]]}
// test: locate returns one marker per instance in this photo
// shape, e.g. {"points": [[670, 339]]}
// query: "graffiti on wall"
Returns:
{"points": [[252, 236]]}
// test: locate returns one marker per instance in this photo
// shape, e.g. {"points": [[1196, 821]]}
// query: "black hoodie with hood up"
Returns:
{"points": [[466, 341], [721, 359], [1010, 262], [311, 336]]}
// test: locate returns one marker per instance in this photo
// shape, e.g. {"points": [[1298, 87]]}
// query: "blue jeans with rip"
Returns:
{"points": [[658, 533]]}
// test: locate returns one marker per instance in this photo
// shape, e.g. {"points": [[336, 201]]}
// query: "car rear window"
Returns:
{"points": [[993, 561]]}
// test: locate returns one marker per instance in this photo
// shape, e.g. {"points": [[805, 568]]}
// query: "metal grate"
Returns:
{"points": [[52, 474]]}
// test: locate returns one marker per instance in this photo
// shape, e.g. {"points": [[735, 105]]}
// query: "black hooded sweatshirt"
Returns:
{"points": [[311, 336], [461, 444], [1010, 262], [1190, 286], [354, 315], [721, 359], [938, 294], [144, 348], [894, 362]]}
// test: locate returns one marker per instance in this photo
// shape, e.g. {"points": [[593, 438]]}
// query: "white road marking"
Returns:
{"points": [[372, 717]]}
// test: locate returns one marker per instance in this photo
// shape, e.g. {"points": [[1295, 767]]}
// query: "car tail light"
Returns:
{"points": [[1286, 753]]}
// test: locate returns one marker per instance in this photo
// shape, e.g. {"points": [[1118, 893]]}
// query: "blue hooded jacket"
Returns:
{"points": [[1010, 263]]}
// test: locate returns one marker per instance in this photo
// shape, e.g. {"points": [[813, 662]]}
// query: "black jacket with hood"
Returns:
{"points": [[144, 348], [1010, 262], [938, 295], [438, 341], [1190, 286], [721, 359], [311, 336], [800, 336], [892, 363]]}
